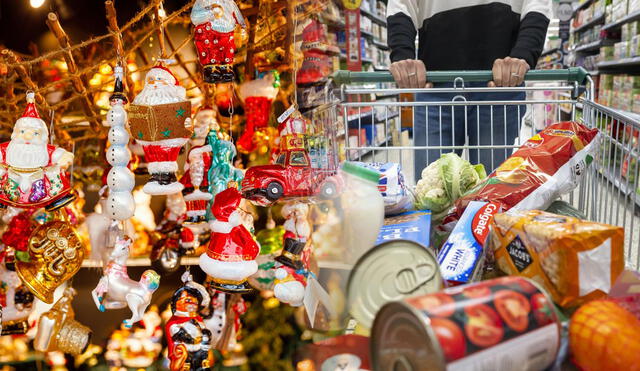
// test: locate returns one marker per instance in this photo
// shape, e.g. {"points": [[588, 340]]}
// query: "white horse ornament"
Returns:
{"points": [[116, 290]]}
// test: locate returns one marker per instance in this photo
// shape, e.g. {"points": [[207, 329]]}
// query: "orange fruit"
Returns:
{"points": [[603, 336]]}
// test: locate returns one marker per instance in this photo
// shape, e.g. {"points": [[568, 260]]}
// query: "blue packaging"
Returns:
{"points": [[412, 225], [462, 256]]}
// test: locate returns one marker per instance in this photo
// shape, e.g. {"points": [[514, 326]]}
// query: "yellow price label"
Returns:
{"points": [[352, 4]]}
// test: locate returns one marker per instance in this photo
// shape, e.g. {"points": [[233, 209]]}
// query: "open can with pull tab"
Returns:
{"points": [[508, 323], [391, 271]]}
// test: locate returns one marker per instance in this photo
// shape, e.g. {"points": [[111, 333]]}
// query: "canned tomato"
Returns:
{"points": [[503, 324]]}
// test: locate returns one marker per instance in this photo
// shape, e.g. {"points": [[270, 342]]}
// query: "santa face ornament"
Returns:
{"points": [[215, 22], [33, 172], [160, 121], [230, 256]]}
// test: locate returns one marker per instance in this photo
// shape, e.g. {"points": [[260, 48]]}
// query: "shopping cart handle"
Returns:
{"points": [[572, 74]]}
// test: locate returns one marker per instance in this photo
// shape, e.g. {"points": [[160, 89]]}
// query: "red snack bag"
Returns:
{"points": [[548, 165]]}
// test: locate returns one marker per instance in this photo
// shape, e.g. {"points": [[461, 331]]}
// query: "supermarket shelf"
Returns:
{"points": [[373, 17], [389, 117], [380, 44], [625, 62], [366, 33], [594, 21], [618, 24], [549, 51], [366, 60], [593, 46], [366, 151], [581, 6], [140, 262]]}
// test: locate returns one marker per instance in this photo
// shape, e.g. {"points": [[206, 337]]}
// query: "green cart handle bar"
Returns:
{"points": [[573, 74]]}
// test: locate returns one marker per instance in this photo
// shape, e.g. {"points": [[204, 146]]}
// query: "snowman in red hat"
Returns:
{"points": [[231, 255], [160, 121], [33, 172]]}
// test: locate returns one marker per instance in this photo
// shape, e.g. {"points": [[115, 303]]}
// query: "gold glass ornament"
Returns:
{"points": [[56, 254], [59, 331]]}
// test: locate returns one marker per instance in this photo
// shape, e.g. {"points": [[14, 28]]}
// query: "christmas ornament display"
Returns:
{"points": [[136, 347], [230, 256], [215, 22], [160, 120], [120, 204], [188, 339], [59, 331], [33, 172], [297, 232], [20, 225], [116, 290], [16, 303], [55, 255], [216, 319], [257, 96], [203, 122], [222, 172]]}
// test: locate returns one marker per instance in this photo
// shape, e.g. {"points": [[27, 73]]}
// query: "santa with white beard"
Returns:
{"points": [[160, 119], [33, 174]]}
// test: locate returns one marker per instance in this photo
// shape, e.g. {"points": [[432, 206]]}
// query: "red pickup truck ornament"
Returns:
{"points": [[294, 174]]}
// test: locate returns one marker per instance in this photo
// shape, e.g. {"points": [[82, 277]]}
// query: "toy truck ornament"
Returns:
{"points": [[300, 170]]}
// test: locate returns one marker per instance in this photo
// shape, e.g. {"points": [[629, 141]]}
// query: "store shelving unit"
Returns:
{"points": [[592, 22], [618, 24]]}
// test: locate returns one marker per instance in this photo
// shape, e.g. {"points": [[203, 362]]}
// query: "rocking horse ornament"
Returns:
{"points": [[116, 290]]}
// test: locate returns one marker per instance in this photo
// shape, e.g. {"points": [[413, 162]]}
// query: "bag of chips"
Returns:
{"points": [[548, 165], [574, 260]]}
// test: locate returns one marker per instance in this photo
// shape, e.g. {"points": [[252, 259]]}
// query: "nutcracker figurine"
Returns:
{"points": [[33, 172], [215, 22], [188, 339], [160, 121], [230, 256]]}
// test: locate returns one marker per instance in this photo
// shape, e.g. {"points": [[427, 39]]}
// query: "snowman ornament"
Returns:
{"points": [[120, 203]]}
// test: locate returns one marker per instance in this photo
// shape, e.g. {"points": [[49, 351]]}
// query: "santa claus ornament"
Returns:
{"points": [[196, 181], [230, 256], [215, 23], [297, 232], [188, 339], [33, 172], [120, 204], [160, 121]]}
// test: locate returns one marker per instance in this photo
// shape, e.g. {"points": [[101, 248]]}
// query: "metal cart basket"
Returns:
{"points": [[382, 123]]}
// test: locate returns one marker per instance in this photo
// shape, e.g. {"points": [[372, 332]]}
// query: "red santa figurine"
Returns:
{"points": [[33, 172], [215, 22], [230, 257], [297, 232], [160, 120]]}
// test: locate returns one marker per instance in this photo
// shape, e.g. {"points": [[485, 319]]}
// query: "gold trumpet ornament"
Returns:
{"points": [[59, 331], [55, 255]]}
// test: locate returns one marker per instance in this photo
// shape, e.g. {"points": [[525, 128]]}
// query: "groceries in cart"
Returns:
{"points": [[548, 165], [574, 260], [392, 187], [444, 181]]}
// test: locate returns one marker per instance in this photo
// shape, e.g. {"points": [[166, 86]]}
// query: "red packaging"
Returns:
{"points": [[549, 164]]}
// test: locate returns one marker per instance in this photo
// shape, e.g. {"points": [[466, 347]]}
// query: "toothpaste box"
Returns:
{"points": [[462, 256], [412, 225]]}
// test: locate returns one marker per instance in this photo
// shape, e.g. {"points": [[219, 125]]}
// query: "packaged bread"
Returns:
{"points": [[574, 260]]}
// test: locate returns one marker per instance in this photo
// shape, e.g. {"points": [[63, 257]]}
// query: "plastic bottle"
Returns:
{"points": [[363, 210]]}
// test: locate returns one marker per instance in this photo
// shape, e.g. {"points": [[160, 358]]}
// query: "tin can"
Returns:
{"points": [[390, 271], [503, 324]]}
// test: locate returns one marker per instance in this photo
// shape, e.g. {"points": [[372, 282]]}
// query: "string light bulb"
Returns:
{"points": [[36, 3]]}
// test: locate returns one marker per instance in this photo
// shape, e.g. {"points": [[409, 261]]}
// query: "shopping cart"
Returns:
{"points": [[379, 130]]}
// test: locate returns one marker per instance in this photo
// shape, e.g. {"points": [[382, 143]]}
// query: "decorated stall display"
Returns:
{"points": [[257, 96], [55, 255], [116, 290], [297, 232], [33, 172], [19, 224], [160, 120], [230, 256], [203, 122], [120, 204], [59, 331], [136, 347], [188, 339], [171, 239], [16, 303], [215, 22]]}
